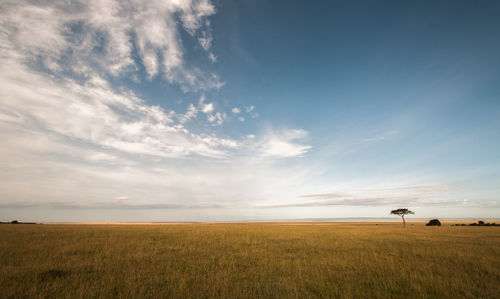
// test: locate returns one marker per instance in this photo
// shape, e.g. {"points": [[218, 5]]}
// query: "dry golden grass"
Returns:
{"points": [[265, 260]]}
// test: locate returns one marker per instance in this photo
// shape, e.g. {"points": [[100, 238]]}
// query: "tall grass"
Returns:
{"points": [[273, 260]]}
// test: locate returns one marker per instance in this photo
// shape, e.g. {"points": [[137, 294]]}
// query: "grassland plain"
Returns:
{"points": [[253, 260]]}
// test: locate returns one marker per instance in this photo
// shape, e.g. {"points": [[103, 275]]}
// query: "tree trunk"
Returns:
{"points": [[404, 222]]}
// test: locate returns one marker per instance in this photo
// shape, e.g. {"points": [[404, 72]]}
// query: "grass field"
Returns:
{"points": [[266, 260]]}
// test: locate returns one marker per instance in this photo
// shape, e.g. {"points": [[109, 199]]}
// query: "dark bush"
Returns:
{"points": [[434, 222]]}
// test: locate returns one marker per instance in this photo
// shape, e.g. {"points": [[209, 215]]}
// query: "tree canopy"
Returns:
{"points": [[401, 212]]}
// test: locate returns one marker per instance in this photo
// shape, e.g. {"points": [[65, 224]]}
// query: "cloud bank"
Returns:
{"points": [[398, 196]]}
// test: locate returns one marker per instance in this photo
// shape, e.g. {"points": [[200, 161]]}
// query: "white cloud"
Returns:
{"points": [[251, 110], [217, 118], [214, 117], [191, 113], [205, 40], [382, 136], [283, 144], [211, 118], [101, 35], [205, 107], [237, 110], [193, 13], [212, 57], [97, 114], [208, 108]]}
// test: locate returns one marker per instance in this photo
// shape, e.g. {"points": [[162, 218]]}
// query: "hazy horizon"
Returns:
{"points": [[199, 110], [376, 220]]}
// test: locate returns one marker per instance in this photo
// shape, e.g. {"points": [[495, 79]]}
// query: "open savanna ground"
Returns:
{"points": [[249, 260]]}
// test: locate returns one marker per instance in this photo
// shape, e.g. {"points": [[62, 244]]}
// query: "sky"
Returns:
{"points": [[199, 110]]}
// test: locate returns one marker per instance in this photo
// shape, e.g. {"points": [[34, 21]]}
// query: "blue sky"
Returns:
{"points": [[248, 110]]}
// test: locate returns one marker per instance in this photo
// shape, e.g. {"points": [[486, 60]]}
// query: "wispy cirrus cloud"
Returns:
{"points": [[412, 195], [56, 58], [102, 36], [420, 190], [95, 113], [382, 136]]}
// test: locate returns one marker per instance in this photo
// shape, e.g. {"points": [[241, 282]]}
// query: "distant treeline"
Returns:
{"points": [[17, 222], [479, 223]]}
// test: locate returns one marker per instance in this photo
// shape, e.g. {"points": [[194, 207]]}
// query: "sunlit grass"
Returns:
{"points": [[249, 260]]}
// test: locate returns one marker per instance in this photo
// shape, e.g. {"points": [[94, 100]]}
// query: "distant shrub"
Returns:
{"points": [[15, 222], [434, 222], [482, 223]]}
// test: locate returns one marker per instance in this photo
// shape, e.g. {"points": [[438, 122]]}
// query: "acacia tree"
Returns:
{"points": [[401, 213]]}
